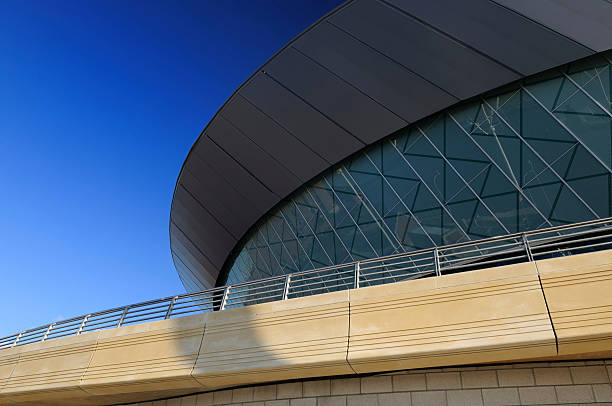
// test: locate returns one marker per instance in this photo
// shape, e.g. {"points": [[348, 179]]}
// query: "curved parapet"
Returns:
{"points": [[364, 71], [511, 313]]}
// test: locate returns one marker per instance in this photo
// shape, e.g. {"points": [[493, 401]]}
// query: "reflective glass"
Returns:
{"points": [[537, 154]]}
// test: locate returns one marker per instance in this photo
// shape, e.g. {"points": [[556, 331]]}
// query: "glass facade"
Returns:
{"points": [[535, 154]]}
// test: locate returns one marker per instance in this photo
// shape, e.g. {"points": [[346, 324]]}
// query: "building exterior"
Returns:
{"points": [[392, 126], [470, 135]]}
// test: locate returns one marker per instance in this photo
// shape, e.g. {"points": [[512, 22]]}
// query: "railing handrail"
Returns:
{"points": [[218, 298]]}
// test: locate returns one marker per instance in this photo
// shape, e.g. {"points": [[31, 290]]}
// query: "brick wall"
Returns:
{"points": [[542, 383]]}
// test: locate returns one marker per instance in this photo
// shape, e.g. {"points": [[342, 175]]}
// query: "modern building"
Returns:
{"points": [[325, 221], [392, 126]]}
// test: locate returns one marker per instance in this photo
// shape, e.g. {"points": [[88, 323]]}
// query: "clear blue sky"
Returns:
{"points": [[100, 102]]}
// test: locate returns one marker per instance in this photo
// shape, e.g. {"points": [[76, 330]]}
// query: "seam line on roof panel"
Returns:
{"points": [[269, 155], [216, 172], [315, 109], [206, 210], [406, 122], [242, 166], [545, 26], [191, 241], [195, 281], [282, 127], [450, 37], [391, 59]]}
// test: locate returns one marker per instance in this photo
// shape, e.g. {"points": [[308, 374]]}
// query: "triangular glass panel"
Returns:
{"points": [[463, 212], [496, 183], [484, 224], [431, 171], [595, 192], [466, 116], [583, 164], [505, 209], [543, 196], [569, 209], [547, 92], [540, 125], [528, 217]]}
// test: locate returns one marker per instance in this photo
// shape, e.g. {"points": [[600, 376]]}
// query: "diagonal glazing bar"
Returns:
{"points": [[558, 105], [311, 230], [349, 215], [297, 239], [265, 240], [570, 132], [546, 163], [401, 201], [464, 181], [518, 188], [330, 224], [370, 208], [282, 242], [587, 94], [430, 191]]}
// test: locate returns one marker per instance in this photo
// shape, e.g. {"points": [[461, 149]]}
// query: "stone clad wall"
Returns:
{"points": [[540, 383], [554, 309]]}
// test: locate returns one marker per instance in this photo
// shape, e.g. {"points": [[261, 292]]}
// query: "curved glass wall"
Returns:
{"points": [[536, 154]]}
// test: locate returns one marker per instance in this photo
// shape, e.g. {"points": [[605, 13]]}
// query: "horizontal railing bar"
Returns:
{"points": [[312, 281], [133, 315], [370, 279], [97, 322], [253, 291], [442, 253], [187, 312], [552, 244], [326, 274], [428, 259], [232, 296], [571, 248], [255, 299], [369, 274], [451, 261], [318, 289], [479, 264], [560, 236], [135, 321]]}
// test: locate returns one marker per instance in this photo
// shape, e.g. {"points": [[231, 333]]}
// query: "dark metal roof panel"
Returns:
{"points": [[588, 22], [357, 75], [333, 97], [234, 174], [191, 218], [507, 37], [252, 158], [422, 49], [323, 136], [387, 82], [279, 144]]}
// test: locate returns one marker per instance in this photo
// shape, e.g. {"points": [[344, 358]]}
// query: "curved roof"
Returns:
{"points": [[362, 72]]}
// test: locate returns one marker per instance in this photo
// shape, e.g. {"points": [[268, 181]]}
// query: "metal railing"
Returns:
{"points": [[508, 249]]}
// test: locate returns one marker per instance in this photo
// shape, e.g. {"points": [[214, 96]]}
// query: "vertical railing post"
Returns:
{"points": [[527, 248], [224, 300], [47, 332], [17, 339], [286, 289], [123, 316], [357, 274], [83, 324], [170, 307], [437, 261]]}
